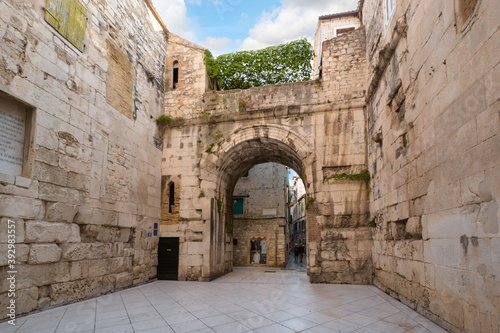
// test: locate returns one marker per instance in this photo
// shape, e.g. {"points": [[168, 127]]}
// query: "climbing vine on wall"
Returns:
{"points": [[363, 176], [284, 63]]}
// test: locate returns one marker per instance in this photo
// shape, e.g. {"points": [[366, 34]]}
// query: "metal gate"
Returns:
{"points": [[168, 258]]}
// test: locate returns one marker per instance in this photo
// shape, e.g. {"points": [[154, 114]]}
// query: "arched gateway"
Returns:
{"points": [[316, 128]]}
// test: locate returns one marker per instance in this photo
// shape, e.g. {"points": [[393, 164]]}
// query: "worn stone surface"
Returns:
{"points": [[433, 84], [264, 201], [316, 128], [96, 158], [47, 232], [413, 97], [44, 253], [60, 212]]}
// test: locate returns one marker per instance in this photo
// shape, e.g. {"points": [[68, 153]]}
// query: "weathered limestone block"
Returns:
{"points": [[50, 174], [68, 291], [22, 252], [124, 280], [23, 182], [414, 227], [82, 251], [26, 299], [60, 212], [51, 192], [79, 269], [31, 192], [44, 274], [88, 215], [21, 207], [51, 232], [4, 231], [44, 253], [107, 266]]}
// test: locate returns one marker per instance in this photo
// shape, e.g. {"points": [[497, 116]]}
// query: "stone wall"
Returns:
{"points": [[84, 210], [316, 128], [433, 119], [192, 76], [264, 195], [326, 30]]}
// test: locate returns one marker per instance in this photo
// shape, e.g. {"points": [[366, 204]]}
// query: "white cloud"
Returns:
{"points": [[215, 45], [294, 19], [173, 13]]}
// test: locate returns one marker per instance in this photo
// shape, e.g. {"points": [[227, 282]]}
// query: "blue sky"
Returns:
{"points": [[233, 25]]}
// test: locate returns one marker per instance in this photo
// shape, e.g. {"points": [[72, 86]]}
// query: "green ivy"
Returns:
{"points": [[209, 150], [201, 195], [309, 202], [167, 120], [229, 225], [373, 223], [217, 135], [284, 63], [363, 176], [219, 205]]}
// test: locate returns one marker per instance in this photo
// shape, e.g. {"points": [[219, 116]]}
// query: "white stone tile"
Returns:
{"points": [[233, 327], [127, 328], [189, 326], [217, 320], [359, 319], [149, 324], [342, 326], [153, 315], [109, 322], [274, 328], [75, 326], [319, 317], [298, 324], [279, 316], [181, 318], [256, 322]]}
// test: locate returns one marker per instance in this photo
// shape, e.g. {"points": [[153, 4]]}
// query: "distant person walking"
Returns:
{"points": [[301, 251], [296, 252]]}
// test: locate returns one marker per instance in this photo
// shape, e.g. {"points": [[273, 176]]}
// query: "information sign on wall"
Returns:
{"points": [[12, 133]]}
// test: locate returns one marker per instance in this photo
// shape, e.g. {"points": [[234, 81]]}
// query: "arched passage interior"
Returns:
{"points": [[231, 162]]}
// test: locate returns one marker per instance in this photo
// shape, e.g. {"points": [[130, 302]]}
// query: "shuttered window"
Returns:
{"points": [[69, 18], [238, 206]]}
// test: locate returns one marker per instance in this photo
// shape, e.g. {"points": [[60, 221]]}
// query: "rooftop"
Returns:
{"points": [[344, 14]]}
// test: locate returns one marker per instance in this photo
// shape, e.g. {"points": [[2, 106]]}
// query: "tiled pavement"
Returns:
{"points": [[246, 300]]}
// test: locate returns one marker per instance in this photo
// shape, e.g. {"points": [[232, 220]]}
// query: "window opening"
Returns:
{"points": [[341, 32], [175, 75], [390, 5], [171, 199], [238, 206]]}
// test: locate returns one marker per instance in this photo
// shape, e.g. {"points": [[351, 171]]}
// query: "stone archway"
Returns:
{"points": [[244, 148]]}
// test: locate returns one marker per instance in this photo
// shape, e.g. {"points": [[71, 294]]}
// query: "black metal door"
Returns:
{"points": [[168, 258]]}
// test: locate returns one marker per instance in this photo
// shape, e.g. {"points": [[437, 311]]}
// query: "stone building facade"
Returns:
{"points": [[318, 129], [331, 26], [433, 116], [297, 211], [88, 193], [412, 96], [259, 211]]}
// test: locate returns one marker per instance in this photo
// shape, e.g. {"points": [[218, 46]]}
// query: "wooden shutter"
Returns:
{"points": [[69, 18]]}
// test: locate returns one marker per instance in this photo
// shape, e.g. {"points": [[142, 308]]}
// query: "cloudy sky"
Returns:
{"points": [[225, 26]]}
